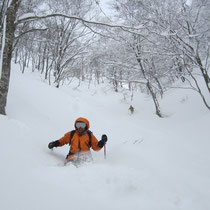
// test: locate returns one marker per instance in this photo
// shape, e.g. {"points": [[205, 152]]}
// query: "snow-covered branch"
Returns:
{"points": [[34, 18]]}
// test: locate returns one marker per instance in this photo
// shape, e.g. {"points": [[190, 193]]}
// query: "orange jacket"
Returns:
{"points": [[82, 139]]}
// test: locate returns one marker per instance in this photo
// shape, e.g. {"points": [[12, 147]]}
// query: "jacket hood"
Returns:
{"points": [[81, 119]]}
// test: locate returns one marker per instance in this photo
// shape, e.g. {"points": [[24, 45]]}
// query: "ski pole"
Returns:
{"points": [[104, 151]]}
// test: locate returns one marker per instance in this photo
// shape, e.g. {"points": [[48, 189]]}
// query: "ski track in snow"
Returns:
{"points": [[152, 163]]}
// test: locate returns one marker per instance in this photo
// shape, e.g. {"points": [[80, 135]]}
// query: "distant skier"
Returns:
{"points": [[131, 109], [80, 141]]}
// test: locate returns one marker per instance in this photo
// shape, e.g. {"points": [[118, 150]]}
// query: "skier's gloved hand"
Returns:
{"points": [[103, 141], [104, 138], [53, 144]]}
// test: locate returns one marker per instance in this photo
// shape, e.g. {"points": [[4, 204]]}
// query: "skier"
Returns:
{"points": [[131, 109], [80, 141]]}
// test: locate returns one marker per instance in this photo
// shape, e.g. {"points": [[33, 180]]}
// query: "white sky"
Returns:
{"points": [[105, 6]]}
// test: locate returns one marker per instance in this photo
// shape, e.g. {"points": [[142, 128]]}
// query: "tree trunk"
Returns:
{"points": [[149, 87], [204, 72], [154, 97], [2, 18], [7, 54]]}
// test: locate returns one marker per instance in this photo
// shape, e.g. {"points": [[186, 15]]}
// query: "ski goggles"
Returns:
{"points": [[80, 125]]}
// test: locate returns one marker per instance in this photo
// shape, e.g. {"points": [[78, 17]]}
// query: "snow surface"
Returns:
{"points": [[152, 163]]}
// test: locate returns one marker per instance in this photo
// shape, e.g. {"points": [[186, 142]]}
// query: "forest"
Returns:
{"points": [[144, 45]]}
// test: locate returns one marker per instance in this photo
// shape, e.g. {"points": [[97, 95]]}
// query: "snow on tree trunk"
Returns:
{"points": [[2, 46], [7, 54]]}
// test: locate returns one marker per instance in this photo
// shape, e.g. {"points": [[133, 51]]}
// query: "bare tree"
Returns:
{"points": [[7, 53], [174, 40], [188, 37], [13, 20]]}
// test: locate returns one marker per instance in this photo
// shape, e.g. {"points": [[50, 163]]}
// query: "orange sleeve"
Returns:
{"points": [[65, 139], [94, 143]]}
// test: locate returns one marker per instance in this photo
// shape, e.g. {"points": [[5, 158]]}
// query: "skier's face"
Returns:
{"points": [[81, 130], [81, 126]]}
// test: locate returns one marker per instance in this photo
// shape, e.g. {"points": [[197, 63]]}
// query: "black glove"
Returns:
{"points": [[53, 144], [103, 141]]}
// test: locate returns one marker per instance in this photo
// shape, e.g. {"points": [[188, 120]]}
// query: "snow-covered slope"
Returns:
{"points": [[152, 163]]}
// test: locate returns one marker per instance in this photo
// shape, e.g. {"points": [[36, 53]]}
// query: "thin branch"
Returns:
{"points": [[31, 30], [186, 88], [106, 36], [126, 81], [98, 4]]}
